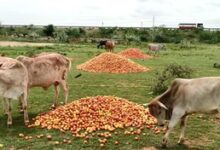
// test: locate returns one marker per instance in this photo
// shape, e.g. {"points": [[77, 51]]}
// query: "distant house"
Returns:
{"points": [[190, 26]]}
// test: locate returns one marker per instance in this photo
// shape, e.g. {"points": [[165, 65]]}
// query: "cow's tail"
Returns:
{"points": [[69, 63]]}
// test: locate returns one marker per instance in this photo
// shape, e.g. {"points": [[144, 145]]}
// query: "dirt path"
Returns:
{"points": [[12, 43]]}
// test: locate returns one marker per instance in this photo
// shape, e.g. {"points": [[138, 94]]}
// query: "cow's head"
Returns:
{"points": [[158, 110]]}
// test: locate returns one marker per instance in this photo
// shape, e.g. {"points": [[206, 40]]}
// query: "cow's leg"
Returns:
{"points": [[176, 116], [183, 128], [57, 92], [21, 99], [8, 103], [5, 106], [66, 90], [24, 107], [20, 105]]}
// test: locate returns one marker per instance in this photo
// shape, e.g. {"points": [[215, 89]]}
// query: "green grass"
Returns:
{"points": [[203, 131]]}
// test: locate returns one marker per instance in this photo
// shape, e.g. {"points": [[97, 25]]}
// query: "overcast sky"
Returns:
{"points": [[110, 13]]}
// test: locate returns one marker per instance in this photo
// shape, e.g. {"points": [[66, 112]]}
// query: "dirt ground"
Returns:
{"points": [[12, 43]]}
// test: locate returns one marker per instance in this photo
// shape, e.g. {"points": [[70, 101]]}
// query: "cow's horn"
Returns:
{"points": [[146, 104], [162, 105]]}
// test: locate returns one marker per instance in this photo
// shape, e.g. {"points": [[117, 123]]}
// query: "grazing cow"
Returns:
{"points": [[46, 69], [156, 47], [184, 97], [13, 84], [108, 44], [101, 44]]}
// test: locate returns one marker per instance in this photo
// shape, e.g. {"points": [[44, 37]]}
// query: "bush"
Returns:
{"points": [[160, 39], [106, 32], [162, 79], [62, 36], [209, 37], [143, 38], [49, 30], [73, 33]]}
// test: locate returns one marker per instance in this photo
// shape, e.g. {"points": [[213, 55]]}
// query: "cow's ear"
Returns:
{"points": [[162, 105]]}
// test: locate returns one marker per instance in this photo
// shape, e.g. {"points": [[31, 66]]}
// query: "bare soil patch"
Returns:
{"points": [[14, 44]]}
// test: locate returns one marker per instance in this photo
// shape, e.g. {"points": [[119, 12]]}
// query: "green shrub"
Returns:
{"points": [[162, 79], [106, 32], [49, 30], [73, 32], [144, 38], [62, 36], [160, 39]]}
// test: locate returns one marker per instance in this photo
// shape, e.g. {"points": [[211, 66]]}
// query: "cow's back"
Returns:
{"points": [[48, 68], [197, 95], [110, 44], [155, 46], [13, 78]]}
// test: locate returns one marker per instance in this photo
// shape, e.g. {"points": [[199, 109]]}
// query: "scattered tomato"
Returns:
{"points": [[49, 137]]}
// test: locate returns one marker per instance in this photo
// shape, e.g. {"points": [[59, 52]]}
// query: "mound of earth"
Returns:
{"points": [[91, 114], [134, 53], [111, 63]]}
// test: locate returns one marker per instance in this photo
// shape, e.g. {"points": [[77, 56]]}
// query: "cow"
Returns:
{"points": [[13, 85], [108, 44], [156, 47], [46, 69], [101, 44], [185, 97]]}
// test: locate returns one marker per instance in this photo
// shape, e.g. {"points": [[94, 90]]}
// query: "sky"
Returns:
{"points": [[128, 13]]}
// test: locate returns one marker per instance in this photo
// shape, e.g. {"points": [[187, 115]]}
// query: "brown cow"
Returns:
{"points": [[109, 46], [46, 69], [13, 84]]}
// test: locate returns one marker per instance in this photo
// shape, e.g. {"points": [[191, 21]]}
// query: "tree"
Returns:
{"points": [[73, 32], [49, 30]]}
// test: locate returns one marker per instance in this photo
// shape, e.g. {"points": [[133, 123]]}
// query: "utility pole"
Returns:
{"points": [[153, 21], [153, 32], [141, 23], [102, 23]]}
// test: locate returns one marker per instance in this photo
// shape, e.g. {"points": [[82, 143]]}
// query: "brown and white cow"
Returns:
{"points": [[13, 84], [184, 97], [46, 69], [108, 44]]}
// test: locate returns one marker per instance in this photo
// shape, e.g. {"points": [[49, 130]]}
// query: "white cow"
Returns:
{"points": [[48, 69], [13, 84], [156, 47], [184, 97]]}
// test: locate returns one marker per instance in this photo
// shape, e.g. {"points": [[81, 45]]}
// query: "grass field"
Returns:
{"points": [[203, 131]]}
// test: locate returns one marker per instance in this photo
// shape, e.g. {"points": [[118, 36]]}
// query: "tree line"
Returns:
{"points": [[51, 33]]}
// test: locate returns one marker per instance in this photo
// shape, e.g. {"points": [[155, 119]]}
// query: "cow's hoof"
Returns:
{"points": [[27, 123], [164, 146], [21, 111], [181, 141], [9, 124], [53, 106]]}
